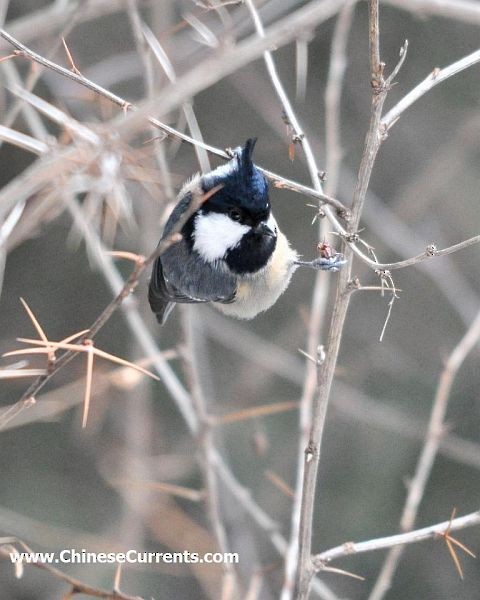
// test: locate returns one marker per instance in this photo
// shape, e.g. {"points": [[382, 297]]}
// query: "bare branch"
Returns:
{"points": [[333, 93], [205, 440], [22, 140], [326, 369], [62, 70], [429, 452], [78, 587], [411, 537], [294, 563], [376, 67], [436, 76], [281, 182], [298, 134], [278, 180]]}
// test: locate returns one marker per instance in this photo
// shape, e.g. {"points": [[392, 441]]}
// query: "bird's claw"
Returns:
{"points": [[332, 263]]}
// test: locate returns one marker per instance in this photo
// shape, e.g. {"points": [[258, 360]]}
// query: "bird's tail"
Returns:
{"points": [[158, 294], [161, 308]]}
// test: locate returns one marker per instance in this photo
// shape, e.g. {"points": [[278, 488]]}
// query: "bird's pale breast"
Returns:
{"points": [[258, 292]]}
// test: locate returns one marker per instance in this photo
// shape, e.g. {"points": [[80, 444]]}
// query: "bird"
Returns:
{"points": [[231, 251]]}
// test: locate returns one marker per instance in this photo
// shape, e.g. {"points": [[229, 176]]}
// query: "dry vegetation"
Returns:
{"points": [[106, 107]]}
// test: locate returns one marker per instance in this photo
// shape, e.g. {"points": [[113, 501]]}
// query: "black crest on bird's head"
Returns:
{"points": [[244, 185]]}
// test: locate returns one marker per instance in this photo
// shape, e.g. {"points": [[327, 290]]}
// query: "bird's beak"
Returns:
{"points": [[264, 229]]}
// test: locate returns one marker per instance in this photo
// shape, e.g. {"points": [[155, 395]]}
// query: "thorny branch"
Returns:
{"points": [[127, 289], [7, 548], [205, 433], [298, 137], [278, 180], [327, 363], [374, 138], [333, 93], [125, 105], [435, 431], [375, 59], [183, 401], [241, 494], [411, 537]]}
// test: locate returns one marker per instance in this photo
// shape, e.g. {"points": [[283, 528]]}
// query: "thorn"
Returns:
{"points": [[73, 67], [139, 259], [342, 572], [88, 384], [4, 58], [309, 356], [291, 151], [451, 541]]}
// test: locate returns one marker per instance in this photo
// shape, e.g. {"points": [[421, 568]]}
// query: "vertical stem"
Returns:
{"points": [[205, 441], [326, 369], [312, 453], [376, 66], [322, 280]]}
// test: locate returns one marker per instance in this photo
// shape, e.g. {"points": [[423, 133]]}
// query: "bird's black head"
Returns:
{"points": [[235, 224], [244, 191]]}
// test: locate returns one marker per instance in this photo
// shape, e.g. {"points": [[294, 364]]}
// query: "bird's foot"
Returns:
{"points": [[331, 263]]}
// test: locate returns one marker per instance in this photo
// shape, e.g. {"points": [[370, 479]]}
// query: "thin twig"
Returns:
{"points": [[128, 287], [158, 486], [322, 280], [301, 67], [433, 437], [299, 136], [333, 94], [280, 181], [326, 368], [436, 76], [376, 66], [38, 58], [78, 587], [411, 537], [21, 140], [205, 440]]}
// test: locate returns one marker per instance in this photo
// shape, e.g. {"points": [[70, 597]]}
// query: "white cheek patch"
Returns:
{"points": [[216, 233]]}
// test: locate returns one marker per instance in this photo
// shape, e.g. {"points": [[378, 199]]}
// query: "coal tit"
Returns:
{"points": [[232, 252]]}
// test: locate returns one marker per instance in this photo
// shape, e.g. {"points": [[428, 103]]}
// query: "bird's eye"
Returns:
{"points": [[235, 214]]}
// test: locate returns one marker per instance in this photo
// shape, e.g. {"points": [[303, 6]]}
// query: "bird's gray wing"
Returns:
{"points": [[181, 275]]}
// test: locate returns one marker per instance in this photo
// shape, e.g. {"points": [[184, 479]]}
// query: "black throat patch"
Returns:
{"points": [[252, 253]]}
